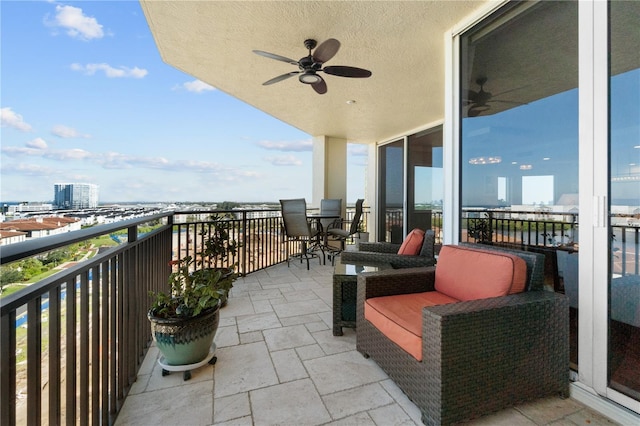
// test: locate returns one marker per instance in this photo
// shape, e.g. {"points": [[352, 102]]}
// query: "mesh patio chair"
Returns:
{"points": [[337, 233], [297, 229], [330, 206]]}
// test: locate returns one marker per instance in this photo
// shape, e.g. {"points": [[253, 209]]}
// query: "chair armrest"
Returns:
{"points": [[395, 281], [519, 344], [404, 261], [395, 260], [380, 247], [521, 301]]}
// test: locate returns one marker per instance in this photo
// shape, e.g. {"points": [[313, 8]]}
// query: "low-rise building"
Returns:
{"points": [[39, 227]]}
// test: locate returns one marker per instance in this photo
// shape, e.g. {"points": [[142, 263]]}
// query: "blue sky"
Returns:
{"points": [[85, 97]]}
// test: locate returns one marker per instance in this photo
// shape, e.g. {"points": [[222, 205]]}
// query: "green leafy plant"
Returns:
{"points": [[480, 229], [191, 292], [218, 246], [199, 284]]}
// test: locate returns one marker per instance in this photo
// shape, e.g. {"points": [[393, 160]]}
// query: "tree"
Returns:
{"points": [[31, 267], [56, 257], [228, 205], [10, 275]]}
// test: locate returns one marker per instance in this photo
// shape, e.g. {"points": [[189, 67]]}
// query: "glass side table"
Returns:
{"points": [[345, 280]]}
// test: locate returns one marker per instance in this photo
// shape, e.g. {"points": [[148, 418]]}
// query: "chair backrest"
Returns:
{"points": [[331, 206], [535, 263], [355, 223], [294, 217]]}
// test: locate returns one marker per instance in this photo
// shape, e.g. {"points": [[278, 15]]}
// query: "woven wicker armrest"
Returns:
{"points": [[395, 281], [380, 247], [395, 260], [494, 353]]}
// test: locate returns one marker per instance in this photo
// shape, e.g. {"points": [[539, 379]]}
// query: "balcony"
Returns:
{"points": [[278, 362]]}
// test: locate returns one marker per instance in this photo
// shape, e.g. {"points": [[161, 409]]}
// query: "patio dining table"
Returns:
{"points": [[323, 236]]}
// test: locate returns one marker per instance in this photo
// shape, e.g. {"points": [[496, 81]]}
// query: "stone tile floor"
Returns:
{"points": [[278, 363]]}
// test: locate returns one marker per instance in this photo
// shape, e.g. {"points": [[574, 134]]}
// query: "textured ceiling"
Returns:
{"points": [[402, 43]]}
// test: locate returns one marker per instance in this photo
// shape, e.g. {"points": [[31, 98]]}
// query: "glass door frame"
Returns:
{"points": [[435, 126], [594, 141], [593, 65]]}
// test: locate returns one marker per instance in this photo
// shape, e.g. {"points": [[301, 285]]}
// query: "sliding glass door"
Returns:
{"points": [[549, 124], [391, 191], [410, 185], [624, 190], [519, 138], [424, 181]]}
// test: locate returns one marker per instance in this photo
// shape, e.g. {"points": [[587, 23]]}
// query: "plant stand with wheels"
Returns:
{"points": [[186, 368]]}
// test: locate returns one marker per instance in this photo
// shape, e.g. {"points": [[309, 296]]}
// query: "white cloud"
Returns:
{"points": [[15, 151], [70, 154], [358, 150], [295, 146], [210, 172], [284, 160], [67, 132], [197, 86], [109, 71], [77, 24], [27, 169], [9, 118], [37, 143]]}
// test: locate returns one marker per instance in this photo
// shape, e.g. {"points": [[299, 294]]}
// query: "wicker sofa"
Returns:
{"points": [[387, 253], [477, 356]]}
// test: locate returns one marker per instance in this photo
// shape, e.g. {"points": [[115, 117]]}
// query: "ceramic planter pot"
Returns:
{"points": [[185, 341]]}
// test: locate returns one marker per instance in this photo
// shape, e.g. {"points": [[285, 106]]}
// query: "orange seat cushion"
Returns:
{"points": [[469, 274], [412, 243], [399, 317]]}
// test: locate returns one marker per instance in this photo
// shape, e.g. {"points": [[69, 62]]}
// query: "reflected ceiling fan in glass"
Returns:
{"points": [[478, 102]]}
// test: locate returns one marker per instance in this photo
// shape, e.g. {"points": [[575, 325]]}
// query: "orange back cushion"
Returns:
{"points": [[412, 243], [468, 273]]}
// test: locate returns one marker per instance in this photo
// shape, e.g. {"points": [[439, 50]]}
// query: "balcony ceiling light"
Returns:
{"points": [[309, 77], [485, 160], [526, 167]]}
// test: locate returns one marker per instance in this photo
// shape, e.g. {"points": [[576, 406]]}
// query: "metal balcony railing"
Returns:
{"points": [[73, 342]]}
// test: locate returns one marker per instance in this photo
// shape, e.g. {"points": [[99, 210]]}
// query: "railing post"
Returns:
{"points": [[8, 369], [245, 243]]}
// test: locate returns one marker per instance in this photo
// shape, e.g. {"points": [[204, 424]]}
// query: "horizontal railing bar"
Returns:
{"points": [[18, 251], [15, 300]]}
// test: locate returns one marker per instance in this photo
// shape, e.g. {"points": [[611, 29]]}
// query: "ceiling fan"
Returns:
{"points": [[478, 101], [310, 65]]}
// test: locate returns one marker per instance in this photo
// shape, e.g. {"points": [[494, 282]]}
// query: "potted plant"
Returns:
{"points": [[480, 229], [216, 249], [362, 236], [184, 321]]}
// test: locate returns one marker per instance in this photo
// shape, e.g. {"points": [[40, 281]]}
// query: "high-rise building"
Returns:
{"points": [[75, 195]]}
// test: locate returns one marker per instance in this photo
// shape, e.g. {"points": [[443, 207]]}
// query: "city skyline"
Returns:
{"points": [[87, 98]]}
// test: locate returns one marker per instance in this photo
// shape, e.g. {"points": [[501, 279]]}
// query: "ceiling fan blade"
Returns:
{"points": [[507, 102], [276, 57], [344, 71], [280, 78], [326, 50], [512, 90], [320, 87], [472, 112], [471, 96]]}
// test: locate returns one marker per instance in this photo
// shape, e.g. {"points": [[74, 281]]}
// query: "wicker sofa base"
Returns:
{"points": [[479, 356]]}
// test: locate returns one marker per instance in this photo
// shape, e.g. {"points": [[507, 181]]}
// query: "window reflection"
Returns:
{"points": [[624, 170], [519, 137]]}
